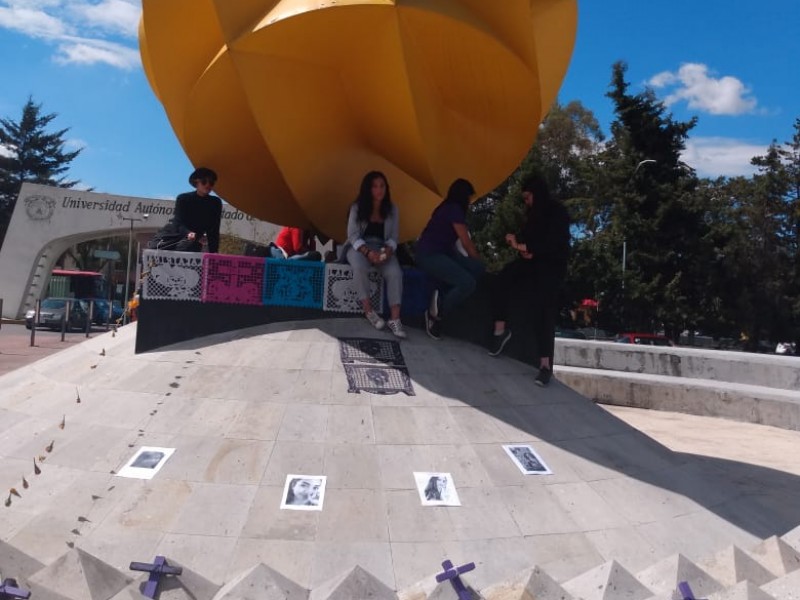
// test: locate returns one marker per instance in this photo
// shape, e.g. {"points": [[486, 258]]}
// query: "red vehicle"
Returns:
{"points": [[644, 339], [77, 284]]}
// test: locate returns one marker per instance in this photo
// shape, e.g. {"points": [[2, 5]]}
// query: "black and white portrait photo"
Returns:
{"points": [[148, 460], [527, 460], [145, 462], [303, 492], [436, 489]]}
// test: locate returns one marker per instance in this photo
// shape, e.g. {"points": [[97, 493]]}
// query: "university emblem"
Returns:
{"points": [[40, 208]]}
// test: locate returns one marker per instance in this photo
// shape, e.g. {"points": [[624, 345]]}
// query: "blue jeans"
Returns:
{"points": [[459, 272], [390, 270], [312, 255]]}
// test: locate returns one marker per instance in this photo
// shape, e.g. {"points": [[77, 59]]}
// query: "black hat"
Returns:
{"points": [[202, 173]]}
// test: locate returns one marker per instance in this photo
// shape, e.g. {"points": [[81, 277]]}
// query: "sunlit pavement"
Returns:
{"points": [[16, 350]]}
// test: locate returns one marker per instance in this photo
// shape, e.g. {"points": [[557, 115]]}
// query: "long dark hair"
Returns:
{"points": [[364, 199], [431, 490], [459, 194], [536, 185]]}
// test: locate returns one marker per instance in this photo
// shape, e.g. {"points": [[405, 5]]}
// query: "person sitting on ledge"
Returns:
{"points": [[294, 243], [197, 214], [372, 232], [436, 254]]}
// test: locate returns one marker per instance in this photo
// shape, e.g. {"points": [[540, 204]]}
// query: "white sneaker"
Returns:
{"points": [[376, 321], [396, 327]]}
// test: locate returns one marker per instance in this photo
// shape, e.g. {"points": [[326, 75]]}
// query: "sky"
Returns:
{"points": [[733, 65]]}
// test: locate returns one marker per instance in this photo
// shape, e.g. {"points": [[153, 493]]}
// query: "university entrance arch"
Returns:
{"points": [[49, 220]]}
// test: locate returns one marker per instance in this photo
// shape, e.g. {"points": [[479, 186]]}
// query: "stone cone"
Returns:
{"points": [[777, 556], [261, 583], [189, 585], [531, 584], [356, 583], [732, 565], [784, 588], [609, 581], [15, 564], [445, 591], [664, 577], [793, 538], [78, 575], [743, 591]]}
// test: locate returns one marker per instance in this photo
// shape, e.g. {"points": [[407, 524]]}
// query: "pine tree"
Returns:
{"points": [[29, 153], [792, 165], [649, 203], [568, 134], [767, 214]]}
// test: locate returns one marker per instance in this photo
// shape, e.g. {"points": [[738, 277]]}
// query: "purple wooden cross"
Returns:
{"points": [[686, 591], [157, 569], [10, 591], [455, 580]]}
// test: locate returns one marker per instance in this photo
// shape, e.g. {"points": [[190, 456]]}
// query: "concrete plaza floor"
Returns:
{"points": [[757, 445], [16, 350], [247, 408]]}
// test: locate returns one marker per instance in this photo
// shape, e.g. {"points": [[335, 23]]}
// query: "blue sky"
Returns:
{"points": [[731, 64]]}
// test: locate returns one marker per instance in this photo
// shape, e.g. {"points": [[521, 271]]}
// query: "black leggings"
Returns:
{"points": [[539, 289]]}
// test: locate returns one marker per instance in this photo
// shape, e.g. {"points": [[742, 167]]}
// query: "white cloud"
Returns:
{"points": [[7, 152], [92, 52], [722, 157], [662, 79], [115, 16], [75, 144], [719, 96], [34, 23], [84, 32]]}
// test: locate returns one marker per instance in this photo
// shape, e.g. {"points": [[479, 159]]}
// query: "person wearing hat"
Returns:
{"points": [[197, 214]]}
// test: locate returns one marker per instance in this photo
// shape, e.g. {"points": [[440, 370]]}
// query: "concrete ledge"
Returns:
{"points": [[740, 402], [782, 372]]}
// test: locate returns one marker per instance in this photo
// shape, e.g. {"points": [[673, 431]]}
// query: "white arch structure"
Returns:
{"points": [[48, 220]]}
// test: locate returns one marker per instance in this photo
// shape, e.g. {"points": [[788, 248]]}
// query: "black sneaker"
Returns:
{"points": [[433, 326], [499, 342], [433, 309], [543, 378]]}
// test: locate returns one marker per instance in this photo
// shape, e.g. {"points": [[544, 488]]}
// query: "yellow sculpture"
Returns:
{"points": [[293, 101]]}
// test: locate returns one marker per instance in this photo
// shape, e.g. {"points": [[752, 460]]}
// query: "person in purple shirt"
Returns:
{"points": [[437, 255]]}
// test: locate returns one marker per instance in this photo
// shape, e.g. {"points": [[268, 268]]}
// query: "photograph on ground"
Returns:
{"points": [[436, 489], [303, 492], [527, 460], [146, 462]]}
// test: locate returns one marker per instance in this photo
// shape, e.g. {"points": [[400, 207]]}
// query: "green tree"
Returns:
{"points": [[647, 205], [766, 214], [28, 152], [566, 137], [791, 155]]}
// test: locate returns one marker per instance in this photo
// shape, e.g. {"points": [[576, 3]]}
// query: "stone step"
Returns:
{"points": [[703, 397], [767, 370]]}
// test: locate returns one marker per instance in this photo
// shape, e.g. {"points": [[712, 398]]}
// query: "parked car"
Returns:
{"points": [[594, 333], [566, 332], [101, 308], [51, 313], [644, 339]]}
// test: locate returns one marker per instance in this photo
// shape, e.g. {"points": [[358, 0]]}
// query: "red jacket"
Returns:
{"points": [[294, 240]]}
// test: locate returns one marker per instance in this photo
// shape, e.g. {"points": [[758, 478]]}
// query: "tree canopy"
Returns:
{"points": [[29, 152], [660, 248]]}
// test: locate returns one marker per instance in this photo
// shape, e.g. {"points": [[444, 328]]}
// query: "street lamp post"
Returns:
{"points": [[131, 220], [646, 161]]}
